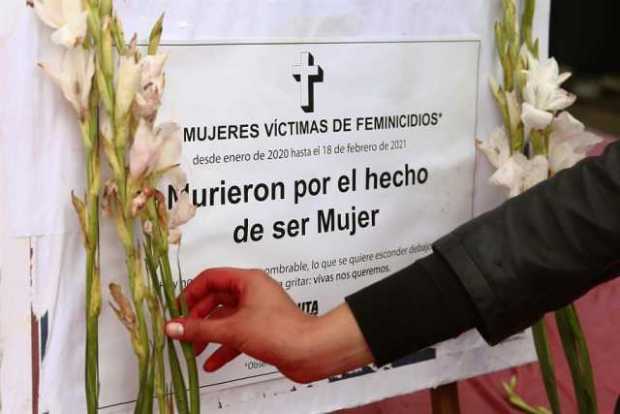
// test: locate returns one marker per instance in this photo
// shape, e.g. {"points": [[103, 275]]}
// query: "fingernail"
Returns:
{"points": [[174, 329]]}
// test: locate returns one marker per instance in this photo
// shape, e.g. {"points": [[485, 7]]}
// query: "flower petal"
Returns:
{"points": [[534, 118], [183, 211], [148, 98], [50, 12], [536, 171], [563, 156], [105, 126], [564, 77], [74, 77], [72, 9], [169, 134], [143, 151], [73, 32], [565, 123], [510, 175], [559, 100], [569, 142], [174, 236], [496, 148]]}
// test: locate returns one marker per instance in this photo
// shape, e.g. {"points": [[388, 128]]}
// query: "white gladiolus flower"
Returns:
{"points": [[496, 148], [127, 83], [182, 212], [547, 97], [518, 174], [154, 150], [542, 89], [569, 142], [68, 17], [75, 77], [544, 71], [152, 81]]}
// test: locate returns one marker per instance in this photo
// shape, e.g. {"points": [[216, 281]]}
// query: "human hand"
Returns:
{"points": [[246, 311]]}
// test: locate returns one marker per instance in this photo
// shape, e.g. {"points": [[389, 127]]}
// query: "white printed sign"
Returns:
{"points": [[331, 165], [228, 86]]}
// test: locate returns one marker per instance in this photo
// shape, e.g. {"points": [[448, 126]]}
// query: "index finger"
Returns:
{"points": [[218, 280]]}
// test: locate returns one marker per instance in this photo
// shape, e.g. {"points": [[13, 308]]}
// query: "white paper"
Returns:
{"points": [[364, 83]]}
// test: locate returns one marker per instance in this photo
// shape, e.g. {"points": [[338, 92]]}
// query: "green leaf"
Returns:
{"points": [[178, 383], [541, 342], [578, 358]]}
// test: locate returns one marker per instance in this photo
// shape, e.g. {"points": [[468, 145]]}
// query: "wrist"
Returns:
{"points": [[334, 344]]}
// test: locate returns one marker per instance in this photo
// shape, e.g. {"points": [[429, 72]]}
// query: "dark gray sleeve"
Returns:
{"points": [[503, 270], [541, 250], [412, 309]]}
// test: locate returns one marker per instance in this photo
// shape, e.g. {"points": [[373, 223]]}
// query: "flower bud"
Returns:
{"points": [[127, 84], [107, 59], [123, 308]]}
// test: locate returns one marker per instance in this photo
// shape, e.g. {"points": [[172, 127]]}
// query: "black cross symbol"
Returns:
{"points": [[306, 73]]}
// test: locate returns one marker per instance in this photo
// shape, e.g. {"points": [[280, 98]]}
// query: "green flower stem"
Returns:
{"points": [[155, 306], [89, 219], [539, 140], [541, 341], [147, 391], [136, 284], [160, 369], [124, 222], [188, 352], [154, 258], [178, 382], [577, 355], [93, 285]]}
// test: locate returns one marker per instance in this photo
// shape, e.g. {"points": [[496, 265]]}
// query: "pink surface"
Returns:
{"points": [[599, 312]]}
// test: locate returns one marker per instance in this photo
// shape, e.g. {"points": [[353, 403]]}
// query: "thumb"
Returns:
{"points": [[199, 330]]}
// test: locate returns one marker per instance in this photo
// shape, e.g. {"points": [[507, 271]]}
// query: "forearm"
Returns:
{"points": [[335, 344]]}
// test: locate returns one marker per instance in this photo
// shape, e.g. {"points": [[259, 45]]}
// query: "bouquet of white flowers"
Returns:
{"points": [[116, 92], [538, 139]]}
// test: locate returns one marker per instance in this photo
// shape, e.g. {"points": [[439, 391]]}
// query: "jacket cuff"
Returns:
{"points": [[488, 313], [419, 306]]}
